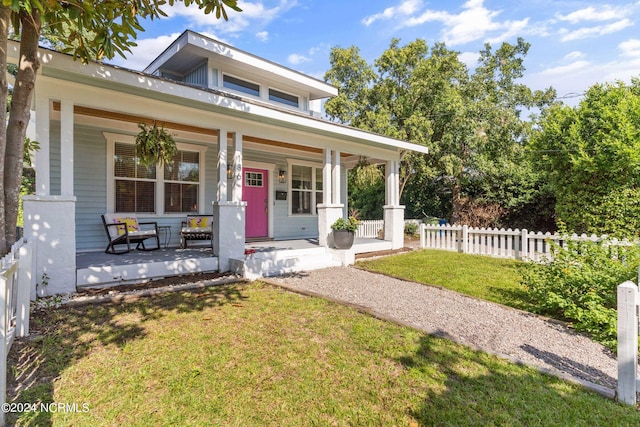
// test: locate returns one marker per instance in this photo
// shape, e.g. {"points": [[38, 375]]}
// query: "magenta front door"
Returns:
{"points": [[255, 193]]}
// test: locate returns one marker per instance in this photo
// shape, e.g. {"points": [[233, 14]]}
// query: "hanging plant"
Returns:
{"points": [[154, 145]]}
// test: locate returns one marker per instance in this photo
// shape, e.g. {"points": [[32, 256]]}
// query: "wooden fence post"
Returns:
{"points": [[25, 280], [524, 244], [423, 231], [627, 342], [464, 245]]}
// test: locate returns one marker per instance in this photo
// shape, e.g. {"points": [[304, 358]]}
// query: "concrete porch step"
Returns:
{"points": [[274, 263]]}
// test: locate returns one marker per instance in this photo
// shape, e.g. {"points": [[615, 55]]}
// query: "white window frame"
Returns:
{"points": [[314, 166], [112, 138], [239, 92], [286, 93]]}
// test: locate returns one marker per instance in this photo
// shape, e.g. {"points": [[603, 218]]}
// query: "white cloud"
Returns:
{"points": [[263, 36], [576, 54], [406, 8], [603, 13], [630, 48], [146, 51], [296, 59], [254, 14], [470, 59], [566, 70], [600, 30]]}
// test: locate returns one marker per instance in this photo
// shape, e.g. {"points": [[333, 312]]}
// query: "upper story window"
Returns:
{"points": [[240, 85], [284, 98]]}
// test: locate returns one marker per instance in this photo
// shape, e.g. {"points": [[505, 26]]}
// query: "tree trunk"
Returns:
{"points": [[456, 202], [19, 119], [5, 19]]}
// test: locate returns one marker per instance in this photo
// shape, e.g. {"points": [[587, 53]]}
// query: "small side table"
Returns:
{"points": [[166, 230]]}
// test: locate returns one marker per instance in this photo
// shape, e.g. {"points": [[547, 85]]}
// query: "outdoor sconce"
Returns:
{"points": [[282, 176], [229, 172]]}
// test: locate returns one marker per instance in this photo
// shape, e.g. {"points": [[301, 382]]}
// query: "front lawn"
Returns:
{"points": [[255, 355], [492, 279]]}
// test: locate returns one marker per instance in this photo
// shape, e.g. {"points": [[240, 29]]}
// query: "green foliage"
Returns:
{"points": [[579, 284], [591, 154], [154, 145], [470, 121], [349, 224], [411, 229], [366, 190], [95, 30]]}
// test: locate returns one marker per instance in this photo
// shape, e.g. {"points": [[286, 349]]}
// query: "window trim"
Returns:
{"points": [[112, 138], [313, 191], [284, 93], [239, 91]]}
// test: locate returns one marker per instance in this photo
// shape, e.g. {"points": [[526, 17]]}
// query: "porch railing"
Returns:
{"points": [[16, 280]]}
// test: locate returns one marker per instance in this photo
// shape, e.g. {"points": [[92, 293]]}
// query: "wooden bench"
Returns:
{"points": [[196, 227]]}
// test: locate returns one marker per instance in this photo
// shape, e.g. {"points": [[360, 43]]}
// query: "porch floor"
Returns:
{"points": [[102, 269]]}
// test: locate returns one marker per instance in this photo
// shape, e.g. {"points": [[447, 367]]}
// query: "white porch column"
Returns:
{"points": [[229, 216], [328, 212], [66, 147], [50, 221], [393, 211], [222, 165], [42, 166], [236, 186], [335, 178]]}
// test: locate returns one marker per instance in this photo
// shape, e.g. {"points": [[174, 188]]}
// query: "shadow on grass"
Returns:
{"points": [[61, 336], [478, 389]]}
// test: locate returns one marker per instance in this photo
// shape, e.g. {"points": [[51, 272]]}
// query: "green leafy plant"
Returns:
{"points": [[411, 229], [154, 145], [579, 284], [349, 224]]}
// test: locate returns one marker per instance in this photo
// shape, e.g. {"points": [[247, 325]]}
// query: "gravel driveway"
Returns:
{"points": [[522, 337]]}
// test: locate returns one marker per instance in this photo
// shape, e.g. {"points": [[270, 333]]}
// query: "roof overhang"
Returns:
{"points": [[61, 66], [189, 49]]}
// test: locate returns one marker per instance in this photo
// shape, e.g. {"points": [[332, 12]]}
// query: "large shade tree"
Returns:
{"points": [[591, 153], [472, 122], [86, 29]]}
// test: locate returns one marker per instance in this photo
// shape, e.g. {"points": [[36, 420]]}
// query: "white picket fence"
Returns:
{"points": [[16, 281], [516, 244], [370, 228]]}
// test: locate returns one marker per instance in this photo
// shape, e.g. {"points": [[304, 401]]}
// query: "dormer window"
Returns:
{"points": [[283, 98], [240, 85]]}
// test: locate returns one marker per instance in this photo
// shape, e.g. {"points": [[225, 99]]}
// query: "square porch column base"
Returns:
{"points": [[327, 215], [394, 225], [228, 232]]}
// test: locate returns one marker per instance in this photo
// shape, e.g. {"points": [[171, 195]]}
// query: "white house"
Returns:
{"points": [[254, 148]]}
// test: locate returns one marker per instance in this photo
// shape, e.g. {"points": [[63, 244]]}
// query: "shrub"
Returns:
{"points": [[411, 228], [579, 285]]}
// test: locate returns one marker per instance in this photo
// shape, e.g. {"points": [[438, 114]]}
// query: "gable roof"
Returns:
{"points": [[190, 48]]}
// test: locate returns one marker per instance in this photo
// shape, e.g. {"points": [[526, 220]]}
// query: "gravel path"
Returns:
{"points": [[519, 336]]}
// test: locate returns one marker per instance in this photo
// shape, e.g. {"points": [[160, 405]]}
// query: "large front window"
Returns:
{"points": [[135, 184], [181, 182], [173, 188], [306, 189]]}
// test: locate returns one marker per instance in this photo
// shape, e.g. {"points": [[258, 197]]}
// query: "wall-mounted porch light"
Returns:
{"points": [[229, 172], [282, 176]]}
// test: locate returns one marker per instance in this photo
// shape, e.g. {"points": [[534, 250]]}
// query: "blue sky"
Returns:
{"points": [[574, 44]]}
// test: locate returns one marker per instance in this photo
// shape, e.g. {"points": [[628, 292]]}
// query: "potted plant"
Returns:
{"points": [[154, 145], [344, 231]]}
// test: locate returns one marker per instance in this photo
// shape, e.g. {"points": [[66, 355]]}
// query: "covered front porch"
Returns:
{"points": [[261, 259]]}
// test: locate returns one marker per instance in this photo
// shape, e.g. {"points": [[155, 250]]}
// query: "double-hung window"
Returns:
{"points": [[305, 188], [175, 188], [135, 185]]}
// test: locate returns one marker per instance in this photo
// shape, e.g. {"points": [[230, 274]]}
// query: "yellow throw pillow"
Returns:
{"points": [[130, 223], [198, 222]]}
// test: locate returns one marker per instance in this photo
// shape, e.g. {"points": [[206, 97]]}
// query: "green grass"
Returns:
{"points": [[483, 277], [254, 355]]}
